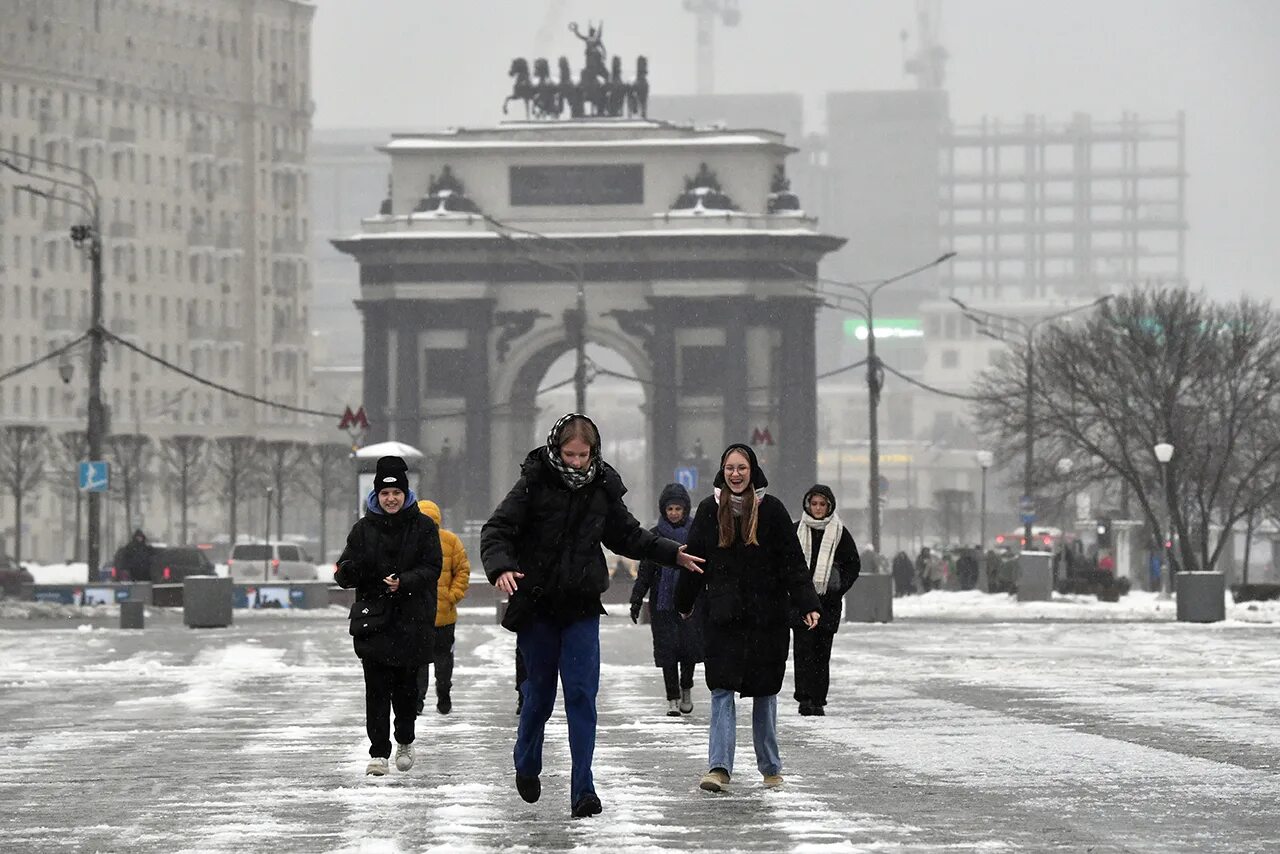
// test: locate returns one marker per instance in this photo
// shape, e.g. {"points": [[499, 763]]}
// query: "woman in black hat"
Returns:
{"points": [[832, 558], [393, 561], [541, 547], [754, 576]]}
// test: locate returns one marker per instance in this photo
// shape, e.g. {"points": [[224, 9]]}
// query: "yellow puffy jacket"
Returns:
{"points": [[455, 575]]}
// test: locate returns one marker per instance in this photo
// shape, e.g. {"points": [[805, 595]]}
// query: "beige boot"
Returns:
{"points": [[772, 781], [715, 780]]}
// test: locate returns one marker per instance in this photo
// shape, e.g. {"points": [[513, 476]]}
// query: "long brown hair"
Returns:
{"points": [[729, 523]]}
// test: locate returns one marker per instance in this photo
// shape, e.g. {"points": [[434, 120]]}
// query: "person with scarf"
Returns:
{"points": [[393, 559], [832, 558], [754, 575], [677, 643], [541, 547]]}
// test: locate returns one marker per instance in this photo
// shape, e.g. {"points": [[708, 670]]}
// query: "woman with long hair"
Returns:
{"points": [[754, 576], [541, 547]]}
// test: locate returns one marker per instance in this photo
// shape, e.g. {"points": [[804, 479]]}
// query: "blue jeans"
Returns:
{"points": [[724, 732], [572, 651]]}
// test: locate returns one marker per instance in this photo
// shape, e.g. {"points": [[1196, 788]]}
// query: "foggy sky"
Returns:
{"points": [[421, 64]]}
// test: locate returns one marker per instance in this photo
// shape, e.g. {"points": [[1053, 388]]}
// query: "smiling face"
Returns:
{"points": [[674, 513], [576, 453], [818, 506], [737, 472], [390, 500]]}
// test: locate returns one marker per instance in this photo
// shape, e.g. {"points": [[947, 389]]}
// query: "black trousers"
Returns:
{"points": [[442, 661], [389, 688], [675, 680], [813, 665], [521, 673]]}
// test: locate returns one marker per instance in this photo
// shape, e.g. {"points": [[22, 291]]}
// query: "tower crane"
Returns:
{"points": [[929, 64], [706, 12]]}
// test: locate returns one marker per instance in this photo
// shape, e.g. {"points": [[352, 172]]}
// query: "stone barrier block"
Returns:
{"points": [[1035, 577], [1201, 597], [870, 600], [206, 601]]}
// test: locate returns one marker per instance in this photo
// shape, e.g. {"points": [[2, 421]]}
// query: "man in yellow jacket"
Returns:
{"points": [[455, 575]]}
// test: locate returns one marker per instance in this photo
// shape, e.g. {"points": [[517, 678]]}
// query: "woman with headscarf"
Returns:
{"points": [[541, 547], [832, 557], [677, 643], [754, 575]]}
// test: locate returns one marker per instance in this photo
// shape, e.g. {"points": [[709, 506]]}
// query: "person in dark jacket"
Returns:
{"points": [[833, 561], [904, 575], [541, 547], [755, 574], [677, 643], [393, 561], [133, 560]]}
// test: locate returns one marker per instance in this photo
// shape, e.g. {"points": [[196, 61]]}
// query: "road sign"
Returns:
{"points": [[94, 476], [1027, 509], [687, 476]]}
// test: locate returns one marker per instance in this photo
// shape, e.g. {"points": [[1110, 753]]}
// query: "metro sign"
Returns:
{"points": [[354, 420], [762, 437]]}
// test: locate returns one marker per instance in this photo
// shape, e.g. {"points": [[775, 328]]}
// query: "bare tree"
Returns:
{"points": [[325, 469], [1155, 366], [69, 449], [131, 455], [22, 457], [282, 456], [237, 460], [186, 459]]}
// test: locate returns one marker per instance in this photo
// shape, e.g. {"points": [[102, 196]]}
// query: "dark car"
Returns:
{"points": [[12, 577], [174, 563]]}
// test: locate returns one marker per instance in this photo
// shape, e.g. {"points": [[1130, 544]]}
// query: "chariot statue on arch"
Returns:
{"points": [[600, 91]]}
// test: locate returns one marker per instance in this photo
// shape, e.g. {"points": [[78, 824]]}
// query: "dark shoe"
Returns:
{"points": [[587, 806], [444, 705], [530, 788], [806, 710], [817, 711]]}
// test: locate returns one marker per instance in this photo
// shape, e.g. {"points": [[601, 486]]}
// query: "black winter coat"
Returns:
{"points": [[553, 535], [406, 544], [674, 639], [845, 561], [749, 591]]}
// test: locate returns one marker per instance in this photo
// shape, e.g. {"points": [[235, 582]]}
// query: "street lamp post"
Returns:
{"points": [[266, 553], [865, 304], [984, 459], [1164, 453], [81, 235], [983, 318]]}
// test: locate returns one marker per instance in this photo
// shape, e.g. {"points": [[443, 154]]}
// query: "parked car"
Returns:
{"points": [[270, 562], [12, 577], [174, 563]]}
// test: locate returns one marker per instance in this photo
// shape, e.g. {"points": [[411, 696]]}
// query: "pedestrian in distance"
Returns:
{"points": [[455, 576], [542, 547], [832, 558], [133, 560], [392, 559], [754, 575], [677, 643], [904, 572]]}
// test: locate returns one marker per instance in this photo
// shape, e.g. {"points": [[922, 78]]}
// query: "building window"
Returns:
{"points": [[447, 373], [701, 368]]}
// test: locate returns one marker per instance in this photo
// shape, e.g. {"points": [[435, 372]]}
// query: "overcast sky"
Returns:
{"points": [[415, 64]]}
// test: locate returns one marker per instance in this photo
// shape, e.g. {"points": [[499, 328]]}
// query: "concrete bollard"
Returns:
{"points": [[1035, 577], [138, 591], [206, 601], [1201, 597], [870, 600], [132, 614]]}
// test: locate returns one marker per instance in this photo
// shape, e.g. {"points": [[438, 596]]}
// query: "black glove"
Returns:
{"points": [[635, 612]]}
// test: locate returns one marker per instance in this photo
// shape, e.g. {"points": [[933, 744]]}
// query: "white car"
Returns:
{"points": [[270, 562]]}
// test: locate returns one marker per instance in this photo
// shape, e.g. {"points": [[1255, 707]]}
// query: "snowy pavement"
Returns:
{"points": [[986, 733]]}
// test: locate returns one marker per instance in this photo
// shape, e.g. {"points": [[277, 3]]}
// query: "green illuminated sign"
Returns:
{"points": [[886, 327]]}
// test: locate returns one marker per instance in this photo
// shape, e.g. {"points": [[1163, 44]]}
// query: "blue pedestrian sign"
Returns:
{"points": [[94, 476], [687, 476], [1027, 509]]}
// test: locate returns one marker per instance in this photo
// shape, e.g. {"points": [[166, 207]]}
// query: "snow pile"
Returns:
{"points": [[1136, 606], [59, 573]]}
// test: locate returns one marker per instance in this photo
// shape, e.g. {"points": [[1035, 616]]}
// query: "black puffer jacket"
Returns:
{"points": [[553, 535], [845, 561], [749, 591], [406, 544]]}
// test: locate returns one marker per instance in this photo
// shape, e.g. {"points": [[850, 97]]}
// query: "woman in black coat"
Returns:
{"points": [[677, 643], [754, 576], [541, 547], [832, 557], [393, 561]]}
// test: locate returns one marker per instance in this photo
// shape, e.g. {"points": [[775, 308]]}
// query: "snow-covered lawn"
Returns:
{"points": [[1135, 606]]}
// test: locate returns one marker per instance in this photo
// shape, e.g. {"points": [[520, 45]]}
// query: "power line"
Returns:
{"points": [[932, 389], [41, 360]]}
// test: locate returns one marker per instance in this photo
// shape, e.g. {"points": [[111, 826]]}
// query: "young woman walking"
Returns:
{"points": [[541, 547], [832, 558], [754, 576], [393, 561], [677, 643]]}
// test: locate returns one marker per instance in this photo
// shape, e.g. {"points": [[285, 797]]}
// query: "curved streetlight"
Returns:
{"points": [[984, 460], [1164, 454]]}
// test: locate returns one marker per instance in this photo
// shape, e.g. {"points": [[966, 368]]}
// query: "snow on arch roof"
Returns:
{"points": [[388, 449]]}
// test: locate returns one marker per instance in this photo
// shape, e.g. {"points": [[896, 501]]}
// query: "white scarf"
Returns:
{"points": [[832, 528], [737, 499]]}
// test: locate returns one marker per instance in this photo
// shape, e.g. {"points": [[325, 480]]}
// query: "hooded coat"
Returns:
{"points": [[406, 544], [455, 572], [749, 590], [675, 639], [553, 534], [845, 561]]}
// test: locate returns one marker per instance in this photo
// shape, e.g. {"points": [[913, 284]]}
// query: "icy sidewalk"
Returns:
{"points": [[940, 735]]}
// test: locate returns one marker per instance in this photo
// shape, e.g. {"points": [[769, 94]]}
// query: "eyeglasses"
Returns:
{"points": [[742, 469]]}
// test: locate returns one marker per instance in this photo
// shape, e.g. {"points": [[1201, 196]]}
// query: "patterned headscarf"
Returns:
{"points": [[573, 478]]}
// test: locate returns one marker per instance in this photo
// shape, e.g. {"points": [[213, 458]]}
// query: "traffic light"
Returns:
{"points": [[1104, 533]]}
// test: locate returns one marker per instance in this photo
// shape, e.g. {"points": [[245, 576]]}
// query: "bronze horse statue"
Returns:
{"points": [[523, 89], [638, 91]]}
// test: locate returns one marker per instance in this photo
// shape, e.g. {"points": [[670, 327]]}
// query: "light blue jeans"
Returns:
{"points": [[724, 732]]}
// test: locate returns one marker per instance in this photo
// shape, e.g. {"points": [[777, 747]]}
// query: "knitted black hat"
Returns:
{"points": [[392, 472], [674, 493], [758, 480], [823, 490]]}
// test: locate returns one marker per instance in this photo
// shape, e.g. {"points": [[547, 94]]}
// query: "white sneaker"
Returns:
{"points": [[404, 757], [377, 766], [673, 708]]}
